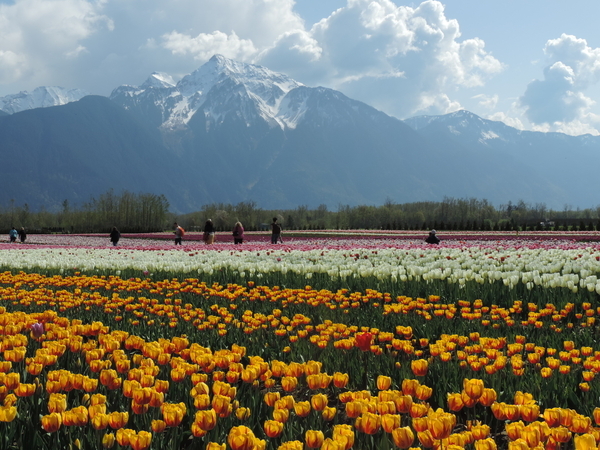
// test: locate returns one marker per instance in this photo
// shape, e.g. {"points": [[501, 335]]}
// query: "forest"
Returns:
{"points": [[139, 213]]}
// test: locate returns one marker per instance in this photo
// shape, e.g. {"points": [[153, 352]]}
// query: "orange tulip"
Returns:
{"points": [[403, 403], [302, 409], [206, 419], [289, 383], [242, 413], [118, 420], [51, 422], [241, 438], [369, 423], [479, 432], [99, 421], [57, 403], [273, 428], [328, 413], [403, 437], [418, 410], [158, 426], [409, 387], [530, 413], [485, 444], [597, 416], [173, 413], [383, 382], [314, 438], [455, 402], [389, 422], [141, 440], [473, 388], [340, 380], [215, 446], [281, 415], [319, 402], [271, 398], [488, 397], [585, 442], [108, 440], [344, 435], [440, 424], [580, 424], [425, 438], [423, 392], [561, 434], [419, 367]]}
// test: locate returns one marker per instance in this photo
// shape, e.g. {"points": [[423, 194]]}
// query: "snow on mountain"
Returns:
{"points": [[172, 105], [41, 97], [467, 126], [158, 80]]}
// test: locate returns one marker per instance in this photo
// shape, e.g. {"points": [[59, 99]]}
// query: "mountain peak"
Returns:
{"points": [[159, 80], [40, 97]]}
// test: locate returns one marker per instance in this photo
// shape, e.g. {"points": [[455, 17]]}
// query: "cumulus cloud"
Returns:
{"points": [[203, 46], [403, 60], [400, 59], [38, 34], [558, 102], [99, 44]]}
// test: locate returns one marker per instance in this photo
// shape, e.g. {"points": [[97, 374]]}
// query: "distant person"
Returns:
{"points": [[22, 235], [432, 238], [178, 233], [238, 233], [209, 232], [115, 236], [275, 232], [12, 234]]}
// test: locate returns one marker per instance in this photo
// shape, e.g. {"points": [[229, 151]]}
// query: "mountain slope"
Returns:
{"points": [[538, 167], [80, 150]]}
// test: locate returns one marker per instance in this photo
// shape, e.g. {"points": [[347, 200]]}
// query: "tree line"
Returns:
{"points": [[139, 213], [129, 212], [449, 214]]}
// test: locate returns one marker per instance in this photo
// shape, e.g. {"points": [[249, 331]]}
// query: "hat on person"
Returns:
{"points": [[432, 232]]}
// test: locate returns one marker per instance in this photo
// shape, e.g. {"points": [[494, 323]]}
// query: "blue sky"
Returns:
{"points": [[533, 64]]}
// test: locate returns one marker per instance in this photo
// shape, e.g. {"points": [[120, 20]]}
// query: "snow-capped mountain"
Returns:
{"points": [[467, 126], [171, 105], [231, 132], [40, 97]]}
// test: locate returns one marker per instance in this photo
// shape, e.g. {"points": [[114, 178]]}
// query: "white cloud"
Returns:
{"points": [[557, 102], [400, 59], [99, 44], [509, 120], [488, 102], [38, 34], [203, 46], [403, 60]]}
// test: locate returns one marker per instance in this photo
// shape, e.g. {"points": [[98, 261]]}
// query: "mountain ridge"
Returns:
{"points": [[232, 132]]}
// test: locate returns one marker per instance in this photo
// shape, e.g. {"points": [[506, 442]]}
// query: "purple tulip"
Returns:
{"points": [[37, 329]]}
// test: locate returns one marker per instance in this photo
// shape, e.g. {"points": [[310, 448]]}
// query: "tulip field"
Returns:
{"points": [[332, 340]]}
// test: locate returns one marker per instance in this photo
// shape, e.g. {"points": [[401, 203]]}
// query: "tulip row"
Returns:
{"points": [[223, 319], [225, 386], [479, 267]]}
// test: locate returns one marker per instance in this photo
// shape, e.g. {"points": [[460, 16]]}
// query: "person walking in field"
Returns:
{"points": [[178, 233], [12, 235], [275, 232], [22, 235], [209, 232], [238, 233], [115, 236]]}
